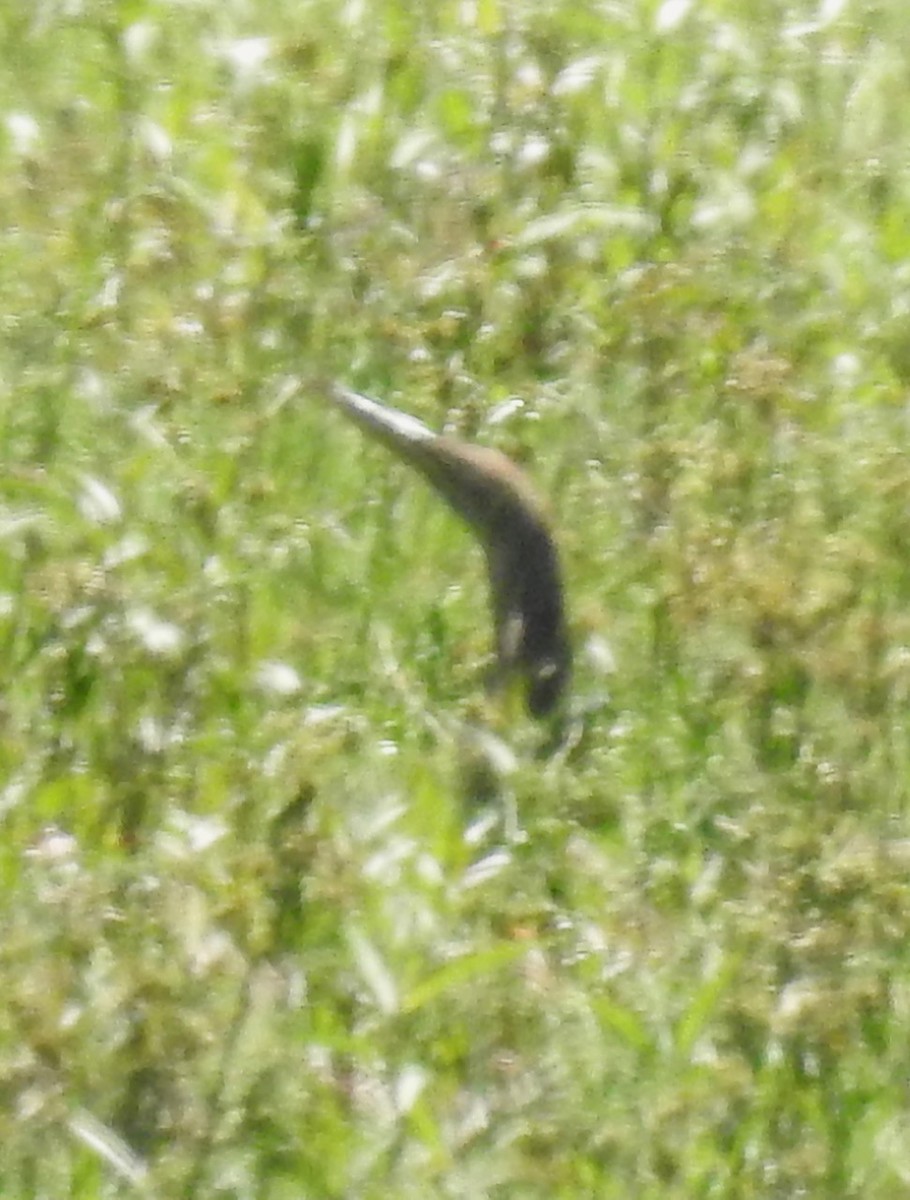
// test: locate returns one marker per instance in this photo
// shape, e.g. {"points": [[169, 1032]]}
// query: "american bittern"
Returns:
{"points": [[489, 492]]}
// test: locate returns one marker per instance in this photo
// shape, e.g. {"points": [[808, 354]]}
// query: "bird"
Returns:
{"points": [[496, 500]]}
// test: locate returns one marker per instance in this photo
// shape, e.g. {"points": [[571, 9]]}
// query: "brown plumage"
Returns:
{"points": [[494, 497]]}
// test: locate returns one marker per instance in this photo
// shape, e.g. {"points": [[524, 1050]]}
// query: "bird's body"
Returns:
{"points": [[494, 497]]}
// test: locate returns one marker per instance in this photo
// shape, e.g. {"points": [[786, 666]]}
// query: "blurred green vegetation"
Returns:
{"points": [[288, 908]]}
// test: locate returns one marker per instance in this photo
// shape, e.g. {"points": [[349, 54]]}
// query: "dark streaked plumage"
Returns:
{"points": [[496, 500]]}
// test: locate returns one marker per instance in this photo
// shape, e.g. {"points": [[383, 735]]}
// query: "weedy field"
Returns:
{"points": [[290, 907]]}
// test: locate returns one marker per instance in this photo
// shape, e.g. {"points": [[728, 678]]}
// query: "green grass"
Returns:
{"points": [[289, 908]]}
